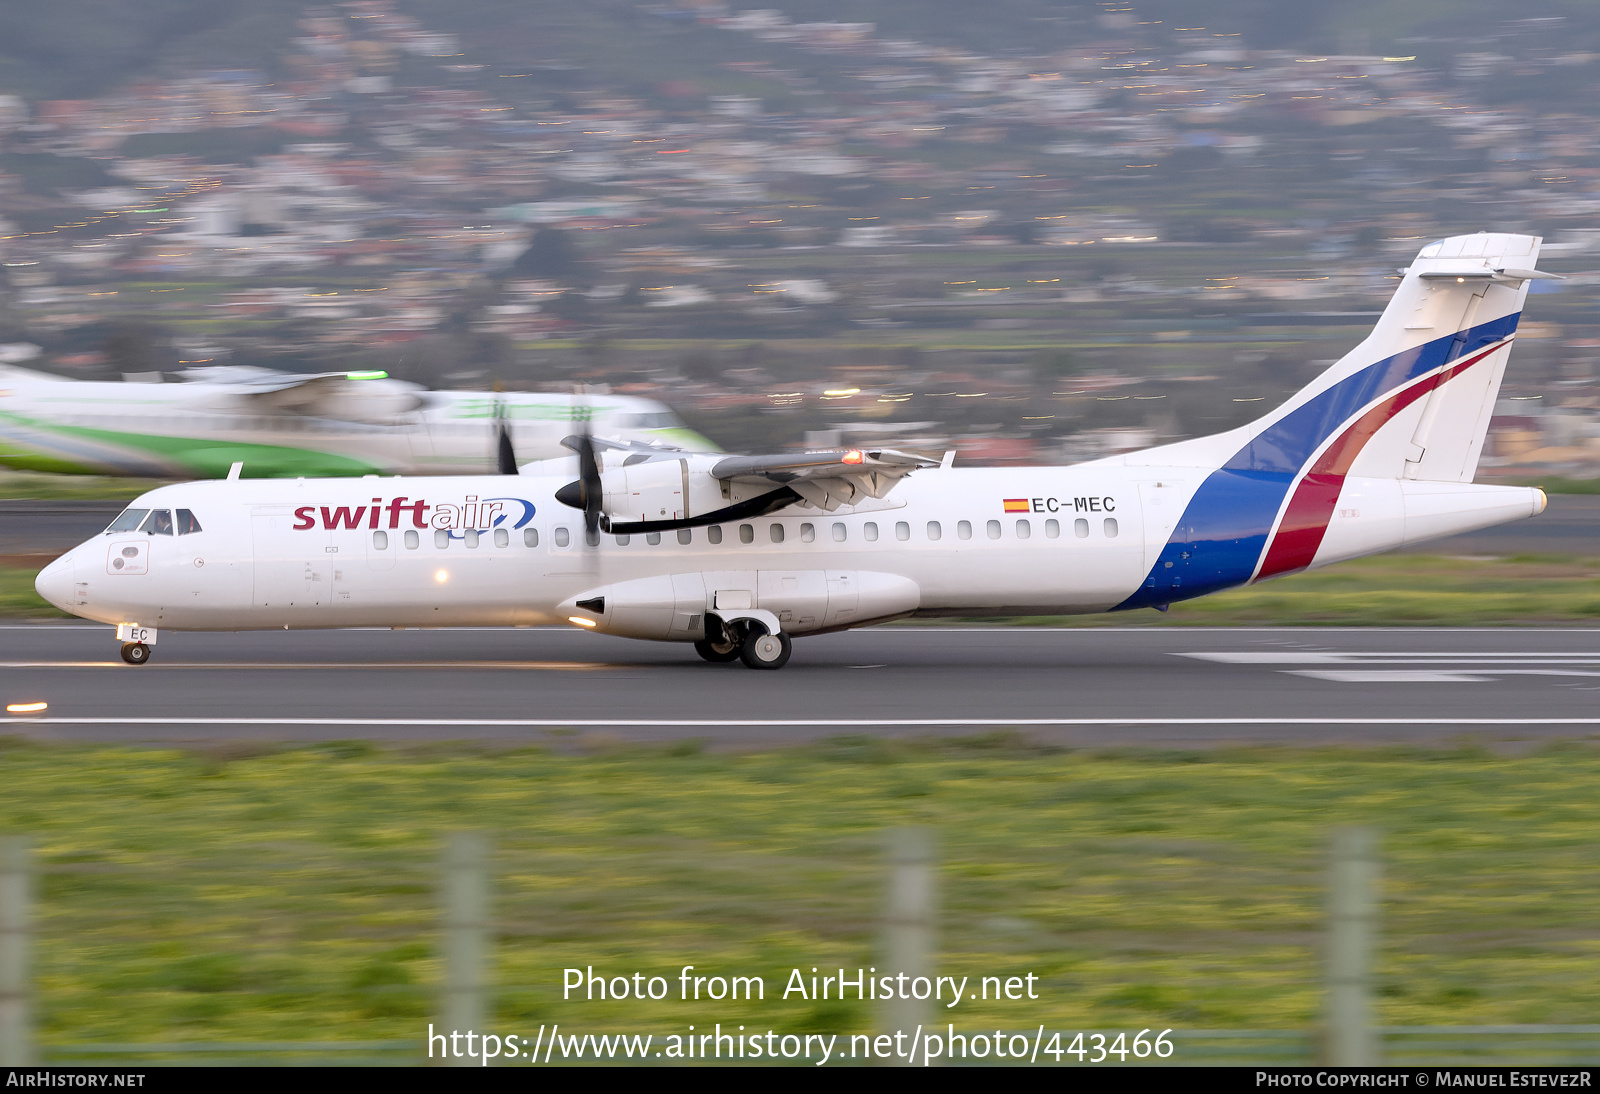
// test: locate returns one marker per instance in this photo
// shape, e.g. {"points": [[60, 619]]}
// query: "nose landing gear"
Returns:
{"points": [[135, 653]]}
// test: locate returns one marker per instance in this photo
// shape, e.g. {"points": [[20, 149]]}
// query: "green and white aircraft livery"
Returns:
{"points": [[280, 424]]}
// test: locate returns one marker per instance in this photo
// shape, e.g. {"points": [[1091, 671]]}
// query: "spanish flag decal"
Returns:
{"points": [[1016, 505]]}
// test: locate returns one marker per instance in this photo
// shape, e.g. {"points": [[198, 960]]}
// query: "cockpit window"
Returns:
{"points": [[158, 523], [127, 521], [187, 523]]}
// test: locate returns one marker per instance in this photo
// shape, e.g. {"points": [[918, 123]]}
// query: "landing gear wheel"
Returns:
{"points": [[135, 653], [718, 653], [765, 651]]}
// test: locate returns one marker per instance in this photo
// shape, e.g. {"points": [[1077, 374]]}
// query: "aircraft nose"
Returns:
{"points": [[54, 582]]}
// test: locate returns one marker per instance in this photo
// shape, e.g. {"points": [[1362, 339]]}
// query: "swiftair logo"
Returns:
{"points": [[469, 513]]}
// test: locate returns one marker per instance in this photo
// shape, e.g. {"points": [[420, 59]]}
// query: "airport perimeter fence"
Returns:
{"points": [[1347, 1034]]}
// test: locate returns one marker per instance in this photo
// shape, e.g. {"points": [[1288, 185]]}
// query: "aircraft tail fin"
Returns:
{"points": [[1414, 399], [1412, 402]]}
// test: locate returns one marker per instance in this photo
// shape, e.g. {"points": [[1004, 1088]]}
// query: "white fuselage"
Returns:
{"points": [[499, 550], [1379, 451]]}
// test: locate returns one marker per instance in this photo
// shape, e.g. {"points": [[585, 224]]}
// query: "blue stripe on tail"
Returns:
{"points": [[1224, 529]]}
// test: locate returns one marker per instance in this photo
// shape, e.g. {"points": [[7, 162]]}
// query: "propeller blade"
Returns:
{"points": [[505, 455], [592, 491]]}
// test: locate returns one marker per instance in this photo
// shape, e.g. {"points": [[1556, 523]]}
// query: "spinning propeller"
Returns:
{"points": [[505, 456], [586, 492]]}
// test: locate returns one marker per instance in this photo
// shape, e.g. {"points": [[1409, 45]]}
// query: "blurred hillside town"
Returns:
{"points": [[813, 232]]}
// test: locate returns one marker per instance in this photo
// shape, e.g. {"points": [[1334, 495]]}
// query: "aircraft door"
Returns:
{"points": [[1162, 503], [291, 581]]}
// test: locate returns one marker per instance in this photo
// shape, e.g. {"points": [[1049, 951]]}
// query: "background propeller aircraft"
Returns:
{"points": [[737, 554], [285, 424]]}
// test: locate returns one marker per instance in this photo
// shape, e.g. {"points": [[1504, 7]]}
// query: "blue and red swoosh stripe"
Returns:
{"points": [[1305, 522], [1224, 530]]}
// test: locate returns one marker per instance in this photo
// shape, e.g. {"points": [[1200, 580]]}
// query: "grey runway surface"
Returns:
{"points": [[1125, 686]]}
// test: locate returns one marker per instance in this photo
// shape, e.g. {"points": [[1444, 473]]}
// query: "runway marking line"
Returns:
{"points": [[1425, 676], [548, 666], [1350, 657]]}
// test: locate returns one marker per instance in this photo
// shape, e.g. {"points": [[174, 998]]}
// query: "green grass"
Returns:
{"points": [[1391, 590], [17, 598], [42, 486], [291, 895]]}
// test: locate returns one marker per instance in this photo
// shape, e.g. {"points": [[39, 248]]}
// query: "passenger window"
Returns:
{"points": [[591, 538], [808, 533], [747, 533], [685, 535], [652, 538], [530, 537], [934, 531], [714, 534], [128, 521], [502, 538], [993, 528], [1052, 529], [563, 537], [412, 542], [902, 530], [1080, 528], [839, 533], [380, 541], [623, 541], [158, 523], [963, 529], [441, 538], [1111, 527], [776, 532], [869, 532], [1024, 529], [471, 536], [187, 523]]}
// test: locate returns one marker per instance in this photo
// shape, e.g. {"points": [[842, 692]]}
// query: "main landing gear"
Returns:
{"points": [[750, 643], [765, 651], [719, 652], [135, 653]]}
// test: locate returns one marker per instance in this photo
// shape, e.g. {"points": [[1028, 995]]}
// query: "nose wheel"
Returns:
{"points": [[135, 653]]}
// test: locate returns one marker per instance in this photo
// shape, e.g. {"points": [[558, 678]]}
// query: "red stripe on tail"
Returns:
{"points": [[1305, 521]]}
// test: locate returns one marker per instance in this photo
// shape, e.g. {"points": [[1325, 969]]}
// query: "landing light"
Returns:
{"points": [[581, 622], [855, 455], [441, 576], [26, 708]]}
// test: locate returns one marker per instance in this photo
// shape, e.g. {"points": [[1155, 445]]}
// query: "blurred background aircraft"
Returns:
{"points": [[282, 423]]}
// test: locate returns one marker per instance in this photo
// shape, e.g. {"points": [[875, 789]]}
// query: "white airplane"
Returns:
{"points": [[286, 423], [737, 554]]}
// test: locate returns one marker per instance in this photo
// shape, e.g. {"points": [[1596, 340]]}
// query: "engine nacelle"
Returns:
{"points": [[674, 607], [655, 495]]}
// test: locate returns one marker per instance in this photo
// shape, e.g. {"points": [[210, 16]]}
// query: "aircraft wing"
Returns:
{"points": [[336, 395], [825, 479]]}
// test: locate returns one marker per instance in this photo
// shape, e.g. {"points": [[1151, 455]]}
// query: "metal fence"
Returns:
{"points": [[1347, 1035]]}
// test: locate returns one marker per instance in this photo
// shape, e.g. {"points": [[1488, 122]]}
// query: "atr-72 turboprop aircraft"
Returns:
{"points": [[739, 553]]}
